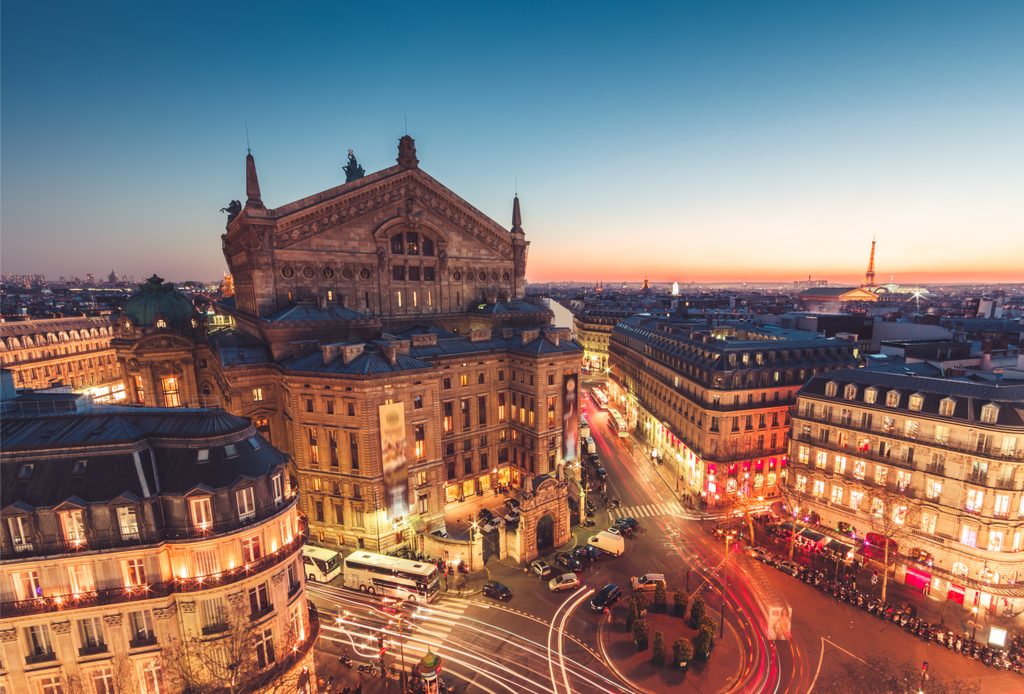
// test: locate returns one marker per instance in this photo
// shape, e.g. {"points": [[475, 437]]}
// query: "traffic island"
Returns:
{"points": [[618, 643]]}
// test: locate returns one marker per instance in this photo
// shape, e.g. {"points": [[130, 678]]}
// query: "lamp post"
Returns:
{"points": [[974, 621], [401, 646], [725, 582]]}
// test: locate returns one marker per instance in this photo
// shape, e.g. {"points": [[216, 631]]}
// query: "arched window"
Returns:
{"points": [[947, 406], [892, 398], [831, 388]]}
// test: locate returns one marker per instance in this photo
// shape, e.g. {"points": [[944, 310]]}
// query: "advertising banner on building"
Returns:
{"points": [[393, 455], [570, 417]]}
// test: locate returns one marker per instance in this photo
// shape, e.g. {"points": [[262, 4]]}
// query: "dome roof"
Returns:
{"points": [[157, 300]]}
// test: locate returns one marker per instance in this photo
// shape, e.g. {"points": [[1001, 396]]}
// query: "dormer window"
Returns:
{"points": [[850, 391], [161, 323], [25, 471], [947, 406], [203, 455], [892, 398], [246, 500], [73, 524], [989, 413], [78, 469], [916, 402], [871, 395], [254, 441], [230, 451], [831, 388]]}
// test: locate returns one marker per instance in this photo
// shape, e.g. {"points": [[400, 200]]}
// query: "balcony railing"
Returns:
{"points": [[153, 590], [94, 649], [115, 540], [143, 641], [218, 628], [894, 433], [260, 613]]}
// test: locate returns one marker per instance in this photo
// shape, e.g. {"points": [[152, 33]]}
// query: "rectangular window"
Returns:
{"points": [[128, 523], [213, 615], [928, 519], [501, 405], [801, 483], [969, 536], [819, 488], [26, 585], [1001, 509], [202, 513], [417, 402], [37, 639], [251, 549], [265, 648], [171, 396], [207, 562], [81, 578], [975, 498], [73, 524], [446, 409], [246, 501], [140, 625], [837, 494], [259, 599], [463, 379], [840, 464], [90, 631], [134, 573], [353, 449], [419, 436], [21, 538], [464, 408], [329, 404], [102, 679], [821, 459], [933, 489], [856, 497], [314, 449], [257, 395], [881, 473], [151, 677], [277, 487]]}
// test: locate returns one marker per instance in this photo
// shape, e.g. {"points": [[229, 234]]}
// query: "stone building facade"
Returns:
{"points": [[714, 400], [593, 332], [73, 352], [386, 290], [148, 550], [942, 457]]}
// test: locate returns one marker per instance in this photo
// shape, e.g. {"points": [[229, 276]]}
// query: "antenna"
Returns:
{"points": [[248, 148], [517, 186]]}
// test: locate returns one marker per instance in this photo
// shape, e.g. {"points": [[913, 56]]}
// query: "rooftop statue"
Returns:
{"points": [[353, 171]]}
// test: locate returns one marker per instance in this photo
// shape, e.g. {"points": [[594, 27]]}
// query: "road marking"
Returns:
{"points": [[821, 657]]}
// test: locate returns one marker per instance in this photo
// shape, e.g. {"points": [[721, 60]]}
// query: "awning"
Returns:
{"points": [[837, 546], [811, 535]]}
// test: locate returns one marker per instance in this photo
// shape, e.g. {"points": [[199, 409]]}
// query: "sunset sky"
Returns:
{"points": [[685, 141]]}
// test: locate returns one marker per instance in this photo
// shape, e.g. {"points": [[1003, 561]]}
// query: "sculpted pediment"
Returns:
{"points": [[162, 341], [411, 196]]}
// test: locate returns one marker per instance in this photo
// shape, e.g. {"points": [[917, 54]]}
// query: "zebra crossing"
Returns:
{"points": [[673, 508], [356, 623]]}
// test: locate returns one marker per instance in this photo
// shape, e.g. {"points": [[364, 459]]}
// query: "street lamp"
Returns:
{"points": [[725, 582], [974, 621]]}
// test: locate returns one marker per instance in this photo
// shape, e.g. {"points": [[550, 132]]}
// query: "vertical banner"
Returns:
{"points": [[570, 417], [393, 456]]}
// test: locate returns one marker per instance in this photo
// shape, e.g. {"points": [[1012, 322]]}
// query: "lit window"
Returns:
{"points": [[81, 578], [995, 541], [277, 484], [947, 406], [73, 524], [819, 488], [899, 514], [850, 391], [892, 398], [969, 536], [975, 498], [257, 395], [128, 522], [246, 501], [26, 585], [251, 549], [801, 483], [203, 456], [1001, 508], [831, 388], [916, 402], [933, 489], [871, 395], [856, 497], [877, 506], [837, 494], [928, 519], [989, 413], [172, 397], [151, 677], [202, 513], [134, 573]]}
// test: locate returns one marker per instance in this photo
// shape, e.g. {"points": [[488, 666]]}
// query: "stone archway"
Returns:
{"points": [[545, 533]]}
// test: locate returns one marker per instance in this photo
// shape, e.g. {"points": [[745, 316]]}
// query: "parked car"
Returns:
{"points": [[623, 528], [606, 597], [564, 582], [512, 517], [513, 504], [647, 583], [541, 568], [490, 525], [601, 473], [484, 515], [498, 591], [614, 530], [631, 522], [789, 567], [568, 562], [762, 555], [586, 553]]}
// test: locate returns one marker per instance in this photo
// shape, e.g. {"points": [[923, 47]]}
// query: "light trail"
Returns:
{"points": [[561, 630]]}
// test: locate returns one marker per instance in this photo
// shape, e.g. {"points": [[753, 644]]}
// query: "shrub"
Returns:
{"points": [[640, 634], [682, 653], [679, 604], [659, 598], [708, 623], [696, 611], [658, 650], [702, 644]]}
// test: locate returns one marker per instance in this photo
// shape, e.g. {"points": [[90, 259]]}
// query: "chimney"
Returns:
{"points": [[350, 352], [479, 335]]}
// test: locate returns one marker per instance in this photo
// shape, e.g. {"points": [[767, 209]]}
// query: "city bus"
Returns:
{"points": [[405, 579], [320, 564], [618, 423], [600, 399]]}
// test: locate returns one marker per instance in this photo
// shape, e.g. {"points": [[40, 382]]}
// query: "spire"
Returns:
{"points": [[517, 216], [252, 183], [869, 276]]}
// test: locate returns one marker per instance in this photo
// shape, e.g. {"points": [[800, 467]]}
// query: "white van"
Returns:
{"points": [[608, 542], [591, 447], [320, 564], [647, 582]]}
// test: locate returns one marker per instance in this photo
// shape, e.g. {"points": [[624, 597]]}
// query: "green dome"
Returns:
{"points": [[157, 300]]}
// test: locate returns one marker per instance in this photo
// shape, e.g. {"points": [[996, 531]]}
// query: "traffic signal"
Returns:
{"points": [[380, 644]]}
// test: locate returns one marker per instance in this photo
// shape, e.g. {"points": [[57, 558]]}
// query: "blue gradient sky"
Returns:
{"points": [[719, 140]]}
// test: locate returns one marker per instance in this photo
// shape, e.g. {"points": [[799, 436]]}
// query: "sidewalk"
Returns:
{"points": [[464, 585]]}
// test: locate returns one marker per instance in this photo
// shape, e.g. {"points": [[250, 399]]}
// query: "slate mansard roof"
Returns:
{"points": [[969, 397], [127, 452]]}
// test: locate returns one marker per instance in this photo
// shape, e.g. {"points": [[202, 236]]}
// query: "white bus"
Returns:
{"points": [[321, 564], [600, 399], [618, 423], [378, 574]]}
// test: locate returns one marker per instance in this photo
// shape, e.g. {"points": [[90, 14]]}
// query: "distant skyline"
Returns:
{"points": [[701, 142]]}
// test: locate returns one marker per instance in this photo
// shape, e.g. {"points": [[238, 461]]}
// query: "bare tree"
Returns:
{"points": [[791, 500], [890, 514], [230, 657], [122, 679]]}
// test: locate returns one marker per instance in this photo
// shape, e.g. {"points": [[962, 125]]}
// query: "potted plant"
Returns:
{"points": [[640, 634], [702, 644], [659, 597]]}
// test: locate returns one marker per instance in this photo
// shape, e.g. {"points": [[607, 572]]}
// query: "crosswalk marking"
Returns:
{"points": [[647, 510]]}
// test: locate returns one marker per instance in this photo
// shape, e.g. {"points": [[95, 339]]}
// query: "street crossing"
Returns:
{"points": [[355, 621], [648, 510]]}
